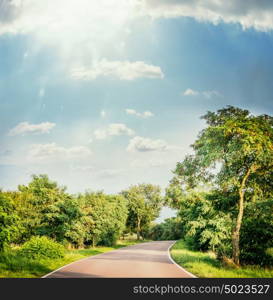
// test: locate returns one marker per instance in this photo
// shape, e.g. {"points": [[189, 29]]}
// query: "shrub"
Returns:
{"points": [[42, 247]]}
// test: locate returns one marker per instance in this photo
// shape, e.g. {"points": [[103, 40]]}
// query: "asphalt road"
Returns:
{"points": [[146, 260]]}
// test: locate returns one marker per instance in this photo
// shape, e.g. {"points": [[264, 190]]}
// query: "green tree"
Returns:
{"points": [[234, 154], [204, 226], [60, 218], [170, 229], [41, 207], [104, 217], [8, 221], [144, 205]]}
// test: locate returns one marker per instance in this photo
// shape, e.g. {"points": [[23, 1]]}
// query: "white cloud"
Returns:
{"points": [[114, 129], [190, 92], [84, 19], [206, 94], [145, 114], [24, 128], [141, 144], [53, 152], [123, 70], [249, 14]]}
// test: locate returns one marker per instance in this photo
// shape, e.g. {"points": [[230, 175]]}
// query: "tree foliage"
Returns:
{"points": [[8, 221]]}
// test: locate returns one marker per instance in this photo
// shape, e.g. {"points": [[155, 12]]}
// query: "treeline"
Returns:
{"points": [[44, 209], [223, 192]]}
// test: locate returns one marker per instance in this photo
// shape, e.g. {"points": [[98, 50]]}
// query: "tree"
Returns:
{"points": [[170, 229], [40, 207], [144, 205], [115, 215], [234, 154], [104, 217], [60, 219], [8, 220]]}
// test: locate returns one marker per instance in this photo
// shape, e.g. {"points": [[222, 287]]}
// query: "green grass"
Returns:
{"points": [[205, 264], [12, 265]]}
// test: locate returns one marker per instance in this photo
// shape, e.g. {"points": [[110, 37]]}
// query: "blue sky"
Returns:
{"points": [[106, 94]]}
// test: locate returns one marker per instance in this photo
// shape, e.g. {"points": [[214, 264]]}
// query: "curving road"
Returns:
{"points": [[146, 260]]}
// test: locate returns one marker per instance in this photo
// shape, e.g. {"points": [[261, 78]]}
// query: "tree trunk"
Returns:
{"points": [[138, 228], [237, 228]]}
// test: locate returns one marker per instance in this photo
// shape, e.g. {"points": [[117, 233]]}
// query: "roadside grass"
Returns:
{"points": [[13, 265], [205, 264]]}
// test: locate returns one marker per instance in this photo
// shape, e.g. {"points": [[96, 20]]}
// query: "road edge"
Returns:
{"points": [[171, 259]]}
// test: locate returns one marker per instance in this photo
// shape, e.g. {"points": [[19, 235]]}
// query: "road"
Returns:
{"points": [[145, 260]]}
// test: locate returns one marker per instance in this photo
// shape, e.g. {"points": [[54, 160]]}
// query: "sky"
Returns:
{"points": [[101, 95]]}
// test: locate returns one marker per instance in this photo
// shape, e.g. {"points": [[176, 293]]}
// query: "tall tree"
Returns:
{"points": [[234, 154]]}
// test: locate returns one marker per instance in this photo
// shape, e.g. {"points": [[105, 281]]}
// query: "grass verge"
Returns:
{"points": [[205, 264], [12, 265]]}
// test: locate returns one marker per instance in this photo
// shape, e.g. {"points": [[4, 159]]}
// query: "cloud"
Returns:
{"points": [[53, 152], [257, 14], [9, 10], [114, 129], [83, 20], [123, 70], [24, 128], [141, 144], [145, 114], [206, 94], [190, 92]]}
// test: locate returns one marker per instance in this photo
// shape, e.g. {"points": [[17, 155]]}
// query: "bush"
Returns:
{"points": [[42, 247]]}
